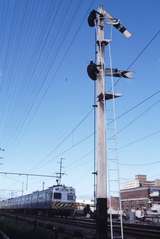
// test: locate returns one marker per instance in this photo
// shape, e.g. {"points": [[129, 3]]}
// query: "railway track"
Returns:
{"points": [[145, 231], [79, 227], [3, 235], [83, 226]]}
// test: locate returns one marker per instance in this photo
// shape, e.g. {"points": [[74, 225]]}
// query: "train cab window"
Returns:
{"points": [[69, 197], [57, 195]]}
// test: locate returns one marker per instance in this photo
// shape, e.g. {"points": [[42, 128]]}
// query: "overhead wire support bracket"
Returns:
{"points": [[27, 174]]}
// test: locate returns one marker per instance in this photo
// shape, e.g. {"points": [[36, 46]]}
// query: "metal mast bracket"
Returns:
{"points": [[111, 96], [104, 42], [108, 96]]}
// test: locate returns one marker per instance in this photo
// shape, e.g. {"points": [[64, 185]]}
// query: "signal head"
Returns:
{"points": [[121, 28], [92, 18], [92, 70]]}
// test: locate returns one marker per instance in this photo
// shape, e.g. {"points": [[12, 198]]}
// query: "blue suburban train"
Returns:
{"points": [[58, 198]]}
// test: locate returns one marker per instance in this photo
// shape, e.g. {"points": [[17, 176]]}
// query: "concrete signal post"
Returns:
{"points": [[97, 72]]}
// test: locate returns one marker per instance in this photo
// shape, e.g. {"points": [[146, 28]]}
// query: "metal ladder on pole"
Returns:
{"points": [[114, 181], [113, 163]]}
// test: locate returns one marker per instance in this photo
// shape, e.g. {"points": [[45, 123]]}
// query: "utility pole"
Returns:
{"points": [[22, 188], [27, 183], [60, 170], [59, 175], [1, 149], [97, 72], [43, 185]]}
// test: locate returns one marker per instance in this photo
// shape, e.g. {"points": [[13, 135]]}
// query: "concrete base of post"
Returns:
{"points": [[101, 218]]}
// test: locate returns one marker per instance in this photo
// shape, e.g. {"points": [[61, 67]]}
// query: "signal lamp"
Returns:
{"points": [[92, 18], [92, 70]]}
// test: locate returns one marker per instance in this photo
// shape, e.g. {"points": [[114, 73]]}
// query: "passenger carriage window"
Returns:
{"points": [[49, 195], [57, 195]]}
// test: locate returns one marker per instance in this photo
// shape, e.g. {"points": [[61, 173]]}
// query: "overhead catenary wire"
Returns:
{"points": [[27, 174]]}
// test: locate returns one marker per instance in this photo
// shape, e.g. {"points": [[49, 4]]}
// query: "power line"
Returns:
{"points": [[138, 117], [65, 137], [140, 164], [136, 106], [59, 65], [120, 116], [141, 52], [17, 40], [144, 49], [10, 42], [140, 139], [39, 53], [82, 158], [71, 132], [68, 149]]}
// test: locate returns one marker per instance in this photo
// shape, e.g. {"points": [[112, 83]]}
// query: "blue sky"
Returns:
{"points": [[45, 91]]}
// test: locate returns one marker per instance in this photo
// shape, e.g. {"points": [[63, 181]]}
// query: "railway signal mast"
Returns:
{"points": [[97, 72]]}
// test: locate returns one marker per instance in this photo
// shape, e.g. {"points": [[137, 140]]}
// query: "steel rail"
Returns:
{"points": [[148, 231]]}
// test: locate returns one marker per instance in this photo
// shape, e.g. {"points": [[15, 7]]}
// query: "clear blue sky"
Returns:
{"points": [[45, 47]]}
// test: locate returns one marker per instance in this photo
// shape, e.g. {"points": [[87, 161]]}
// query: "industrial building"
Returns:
{"points": [[114, 202], [140, 193]]}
